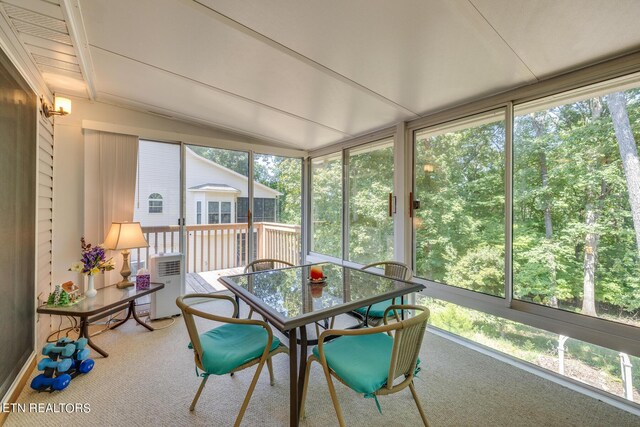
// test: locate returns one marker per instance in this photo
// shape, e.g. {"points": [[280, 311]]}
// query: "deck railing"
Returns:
{"points": [[209, 247]]}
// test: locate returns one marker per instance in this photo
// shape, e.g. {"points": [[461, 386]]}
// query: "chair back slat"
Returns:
{"points": [[393, 269], [407, 342], [264, 265], [397, 271]]}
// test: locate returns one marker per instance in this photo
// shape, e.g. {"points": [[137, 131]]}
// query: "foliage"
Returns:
{"points": [[585, 172], [459, 180], [237, 161], [370, 182], [326, 206], [93, 260]]}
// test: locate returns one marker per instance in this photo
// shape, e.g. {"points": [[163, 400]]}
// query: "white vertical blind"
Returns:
{"points": [[45, 221]]}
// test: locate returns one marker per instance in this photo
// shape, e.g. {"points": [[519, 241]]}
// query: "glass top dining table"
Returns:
{"points": [[288, 301]]}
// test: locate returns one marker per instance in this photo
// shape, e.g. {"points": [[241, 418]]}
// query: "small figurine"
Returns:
{"points": [[58, 297], [72, 289]]}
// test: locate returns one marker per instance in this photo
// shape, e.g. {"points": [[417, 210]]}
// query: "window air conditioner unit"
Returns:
{"points": [[167, 269]]}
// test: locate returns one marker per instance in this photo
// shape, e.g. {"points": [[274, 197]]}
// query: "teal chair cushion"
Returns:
{"points": [[361, 361], [377, 309], [228, 346]]}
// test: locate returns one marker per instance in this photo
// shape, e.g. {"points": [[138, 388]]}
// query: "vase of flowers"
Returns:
{"points": [[93, 262]]}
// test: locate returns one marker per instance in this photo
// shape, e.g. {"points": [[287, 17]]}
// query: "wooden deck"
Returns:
{"points": [[207, 281]]}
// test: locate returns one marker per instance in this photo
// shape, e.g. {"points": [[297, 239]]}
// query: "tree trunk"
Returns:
{"points": [[548, 227], [629, 155], [591, 241], [539, 131]]}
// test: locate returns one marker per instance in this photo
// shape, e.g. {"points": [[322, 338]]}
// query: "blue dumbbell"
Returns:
{"points": [[59, 365], [85, 366], [82, 354], [65, 351], [42, 382]]}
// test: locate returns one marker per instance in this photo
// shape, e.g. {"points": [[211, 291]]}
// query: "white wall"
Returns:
{"points": [[158, 172], [68, 200]]}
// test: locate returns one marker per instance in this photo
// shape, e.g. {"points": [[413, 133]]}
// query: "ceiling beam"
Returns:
{"points": [[75, 25]]}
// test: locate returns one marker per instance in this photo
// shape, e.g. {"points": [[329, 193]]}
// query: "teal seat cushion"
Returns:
{"points": [[377, 309], [361, 361], [228, 346]]}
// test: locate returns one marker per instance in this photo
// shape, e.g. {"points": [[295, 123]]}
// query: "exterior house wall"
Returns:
{"points": [[158, 172]]}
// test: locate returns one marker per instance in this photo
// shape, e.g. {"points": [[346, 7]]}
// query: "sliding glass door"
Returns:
{"points": [[277, 207], [459, 173], [326, 206], [216, 215], [352, 208], [370, 196]]}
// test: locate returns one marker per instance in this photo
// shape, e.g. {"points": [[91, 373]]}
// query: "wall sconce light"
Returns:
{"points": [[62, 107]]}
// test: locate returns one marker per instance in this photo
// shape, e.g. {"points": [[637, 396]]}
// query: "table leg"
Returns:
{"points": [[125, 319], [132, 309], [402, 311], [303, 363], [237, 304], [84, 333], [293, 379]]}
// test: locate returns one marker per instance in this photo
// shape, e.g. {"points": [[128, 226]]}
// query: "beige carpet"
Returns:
{"points": [[149, 380]]}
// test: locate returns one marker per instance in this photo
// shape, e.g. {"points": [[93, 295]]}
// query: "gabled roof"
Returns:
{"points": [[224, 188]]}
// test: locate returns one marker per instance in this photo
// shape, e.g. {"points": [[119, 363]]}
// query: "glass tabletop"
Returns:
{"points": [[105, 299], [290, 296]]}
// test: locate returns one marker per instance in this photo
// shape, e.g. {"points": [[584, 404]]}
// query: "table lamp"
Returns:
{"points": [[124, 236]]}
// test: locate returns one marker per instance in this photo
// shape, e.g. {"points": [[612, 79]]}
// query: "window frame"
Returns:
{"points": [[159, 199], [377, 138], [211, 211], [222, 221], [599, 331], [463, 123]]}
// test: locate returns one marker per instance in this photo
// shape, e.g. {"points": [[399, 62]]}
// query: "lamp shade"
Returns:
{"points": [[125, 235], [62, 105]]}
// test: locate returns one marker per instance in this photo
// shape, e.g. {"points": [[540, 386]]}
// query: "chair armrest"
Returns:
{"points": [[216, 318], [180, 301], [189, 309], [404, 307]]}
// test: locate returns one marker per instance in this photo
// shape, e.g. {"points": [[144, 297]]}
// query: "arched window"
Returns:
{"points": [[155, 203]]}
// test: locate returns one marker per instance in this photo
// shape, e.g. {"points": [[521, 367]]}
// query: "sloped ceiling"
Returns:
{"points": [[42, 29], [307, 73]]}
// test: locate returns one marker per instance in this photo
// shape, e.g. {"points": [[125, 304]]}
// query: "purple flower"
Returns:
{"points": [[93, 260]]}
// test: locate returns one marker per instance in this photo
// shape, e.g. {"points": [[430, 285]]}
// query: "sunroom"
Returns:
{"points": [[228, 181]]}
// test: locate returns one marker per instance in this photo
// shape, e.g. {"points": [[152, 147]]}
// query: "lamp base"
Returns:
{"points": [[123, 284], [125, 272]]}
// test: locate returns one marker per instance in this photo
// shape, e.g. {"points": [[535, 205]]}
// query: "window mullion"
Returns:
{"points": [[508, 207]]}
